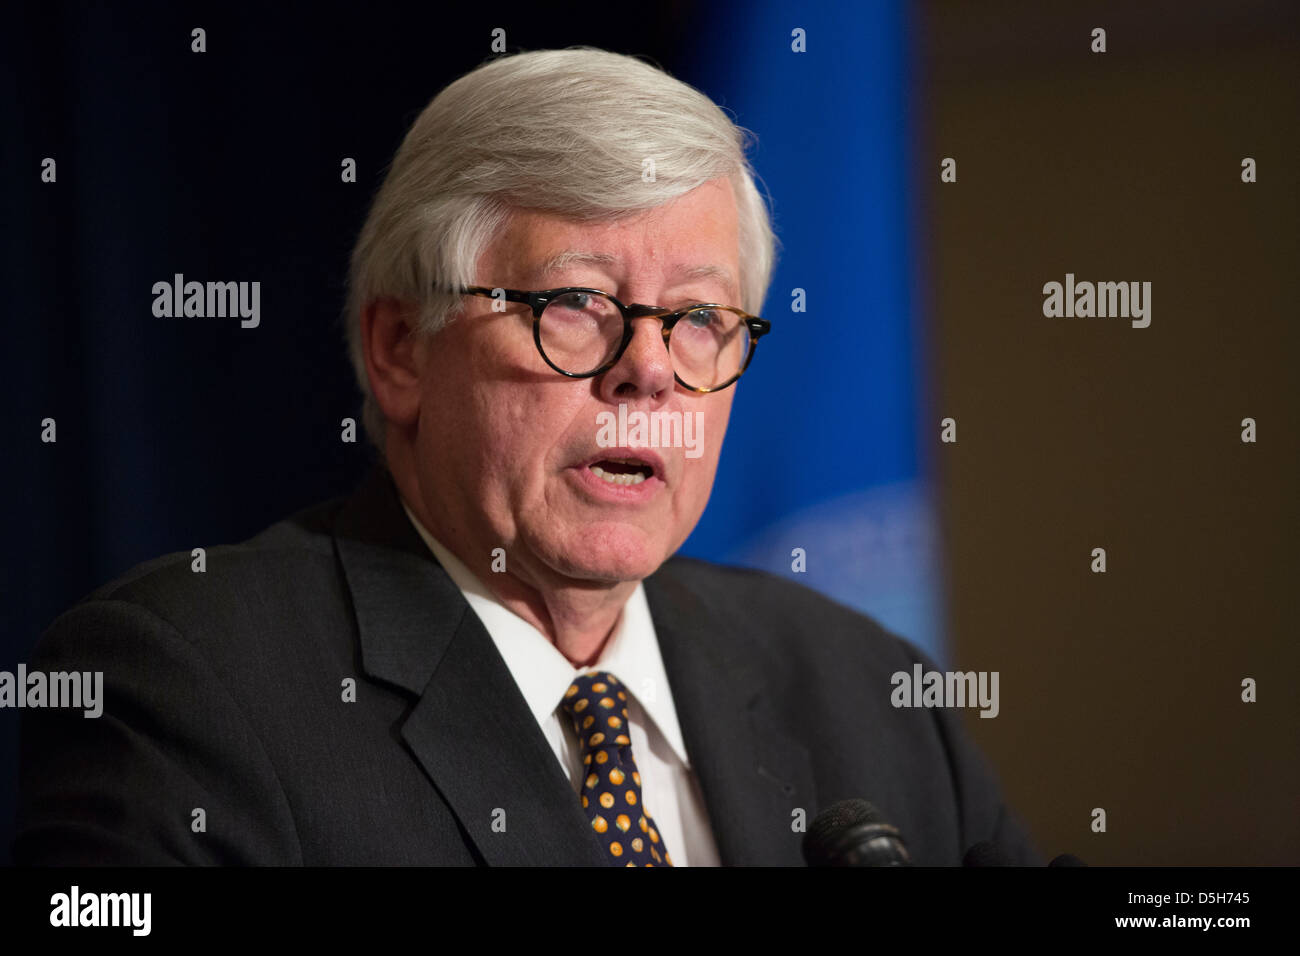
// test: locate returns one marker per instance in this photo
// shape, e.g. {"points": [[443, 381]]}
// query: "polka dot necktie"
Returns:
{"points": [[611, 789]]}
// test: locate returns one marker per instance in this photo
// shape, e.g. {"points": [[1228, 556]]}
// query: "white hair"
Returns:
{"points": [[559, 131]]}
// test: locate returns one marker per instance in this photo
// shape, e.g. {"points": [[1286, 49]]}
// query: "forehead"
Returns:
{"points": [[692, 238]]}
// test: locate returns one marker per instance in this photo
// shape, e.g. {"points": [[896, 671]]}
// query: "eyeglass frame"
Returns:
{"points": [[538, 301]]}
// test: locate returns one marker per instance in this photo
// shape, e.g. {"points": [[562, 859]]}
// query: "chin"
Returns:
{"points": [[610, 553]]}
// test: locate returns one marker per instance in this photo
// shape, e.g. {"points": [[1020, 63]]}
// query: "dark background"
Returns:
{"points": [[1124, 688], [176, 434], [1118, 690]]}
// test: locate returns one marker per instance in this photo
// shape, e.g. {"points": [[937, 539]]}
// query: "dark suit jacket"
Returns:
{"points": [[224, 692]]}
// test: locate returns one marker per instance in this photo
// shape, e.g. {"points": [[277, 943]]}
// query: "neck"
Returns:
{"points": [[578, 617]]}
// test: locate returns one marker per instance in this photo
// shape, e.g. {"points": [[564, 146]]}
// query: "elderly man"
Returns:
{"points": [[488, 654]]}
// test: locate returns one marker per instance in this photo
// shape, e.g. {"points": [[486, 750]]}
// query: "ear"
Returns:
{"points": [[394, 358]]}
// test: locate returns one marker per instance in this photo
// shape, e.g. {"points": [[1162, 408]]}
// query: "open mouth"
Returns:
{"points": [[621, 471]]}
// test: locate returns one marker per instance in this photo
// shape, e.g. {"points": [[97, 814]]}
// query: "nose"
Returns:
{"points": [[645, 370]]}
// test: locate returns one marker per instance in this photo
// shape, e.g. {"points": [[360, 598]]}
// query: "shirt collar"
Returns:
{"points": [[543, 673]]}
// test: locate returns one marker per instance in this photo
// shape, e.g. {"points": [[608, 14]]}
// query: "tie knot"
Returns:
{"points": [[597, 705]]}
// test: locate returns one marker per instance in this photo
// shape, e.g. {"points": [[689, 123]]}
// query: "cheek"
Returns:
{"points": [[716, 412], [480, 410], [524, 433], [501, 430]]}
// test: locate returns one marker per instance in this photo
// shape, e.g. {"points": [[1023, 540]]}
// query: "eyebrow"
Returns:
{"points": [[570, 257]]}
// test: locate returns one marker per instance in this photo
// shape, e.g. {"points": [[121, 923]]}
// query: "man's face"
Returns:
{"points": [[505, 443]]}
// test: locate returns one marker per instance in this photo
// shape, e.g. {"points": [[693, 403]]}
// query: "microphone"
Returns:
{"points": [[986, 853], [853, 833]]}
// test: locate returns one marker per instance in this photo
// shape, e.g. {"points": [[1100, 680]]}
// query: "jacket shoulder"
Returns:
{"points": [[792, 620], [273, 573], [828, 665]]}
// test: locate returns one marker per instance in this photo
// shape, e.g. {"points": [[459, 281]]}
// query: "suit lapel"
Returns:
{"points": [[479, 743], [753, 775], [470, 730]]}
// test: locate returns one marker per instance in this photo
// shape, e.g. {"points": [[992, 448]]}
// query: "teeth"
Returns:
{"points": [[617, 479]]}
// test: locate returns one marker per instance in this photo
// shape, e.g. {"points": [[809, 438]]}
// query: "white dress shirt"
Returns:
{"points": [[669, 789]]}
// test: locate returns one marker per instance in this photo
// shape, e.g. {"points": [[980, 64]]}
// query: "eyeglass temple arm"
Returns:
{"points": [[510, 295]]}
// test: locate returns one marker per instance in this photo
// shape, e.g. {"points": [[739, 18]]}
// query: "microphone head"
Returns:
{"points": [[1067, 859], [986, 853], [841, 816], [853, 833]]}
